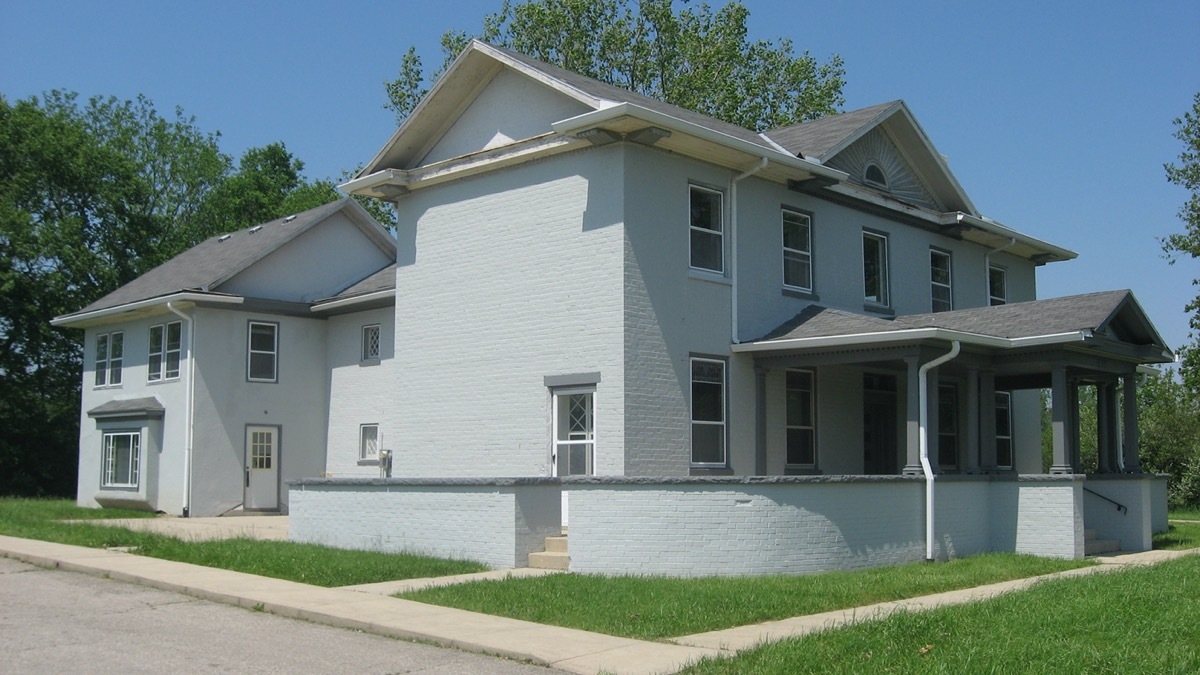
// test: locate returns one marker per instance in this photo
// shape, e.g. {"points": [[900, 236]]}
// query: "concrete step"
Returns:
{"points": [[550, 560], [556, 544], [1101, 546]]}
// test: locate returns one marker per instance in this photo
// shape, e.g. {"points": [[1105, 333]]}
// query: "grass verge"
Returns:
{"points": [[1184, 514], [305, 563], [1178, 537], [1135, 620], [653, 608]]}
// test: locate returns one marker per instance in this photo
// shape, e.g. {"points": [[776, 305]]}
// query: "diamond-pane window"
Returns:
{"points": [[370, 342]]}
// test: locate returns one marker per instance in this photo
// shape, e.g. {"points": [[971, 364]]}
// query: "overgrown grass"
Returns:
{"points": [[654, 608], [1178, 537], [305, 563], [1141, 620]]}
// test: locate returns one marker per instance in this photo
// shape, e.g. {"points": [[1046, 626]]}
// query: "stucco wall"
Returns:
{"points": [[360, 392], [496, 522]]}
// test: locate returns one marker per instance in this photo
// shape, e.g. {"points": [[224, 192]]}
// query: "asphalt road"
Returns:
{"points": [[62, 622]]}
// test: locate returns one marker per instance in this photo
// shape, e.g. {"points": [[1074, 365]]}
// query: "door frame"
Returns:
{"points": [[277, 460]]}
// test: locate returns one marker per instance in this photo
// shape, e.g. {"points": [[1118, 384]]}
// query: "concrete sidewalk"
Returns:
{"points": [[365, 608], [199, 529]]}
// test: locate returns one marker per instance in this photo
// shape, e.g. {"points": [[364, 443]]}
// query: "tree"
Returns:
{"points": [[694, 58], [1186, 174], [91, 196]]}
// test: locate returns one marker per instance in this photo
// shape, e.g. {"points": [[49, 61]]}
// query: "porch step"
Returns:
{"points": [[1094, 546], [555, 556]]}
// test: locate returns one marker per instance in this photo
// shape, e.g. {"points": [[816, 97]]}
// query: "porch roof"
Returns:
{"points": [[1111, 321]]}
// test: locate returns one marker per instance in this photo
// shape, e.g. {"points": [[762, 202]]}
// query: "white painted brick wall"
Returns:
{"points": [[1132, 527], [1049, 516], [495, 524], [359, 393]]}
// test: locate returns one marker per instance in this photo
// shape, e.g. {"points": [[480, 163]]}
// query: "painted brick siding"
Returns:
{"points": [[504, 279], [1049, 517], [359, 392], [495, 525], [1133, 526]]}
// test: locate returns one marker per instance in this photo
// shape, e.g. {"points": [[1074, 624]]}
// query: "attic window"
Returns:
{"points": [[875, 176]]}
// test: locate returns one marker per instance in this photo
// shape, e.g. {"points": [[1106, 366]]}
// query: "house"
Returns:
{"points": [[207, 381], [714, 351]]}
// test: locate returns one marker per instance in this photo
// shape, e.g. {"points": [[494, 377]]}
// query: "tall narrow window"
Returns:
{"points": [[165, 347], [574, 432], [121, 459], [947, 426], [797, 250], [110, 349], [1004, 448], [368, 441], [262, 352], [708, 412], [997, 285], [939, 281], [875, 269], [370, 343], [707, 231], [801, 420]]}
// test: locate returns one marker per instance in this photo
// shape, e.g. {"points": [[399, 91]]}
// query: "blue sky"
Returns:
{"points": [[1054, 116]]}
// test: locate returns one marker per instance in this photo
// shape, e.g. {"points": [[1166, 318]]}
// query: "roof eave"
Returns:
{"points": [[84, 319], [365, 298], [881, 338]]}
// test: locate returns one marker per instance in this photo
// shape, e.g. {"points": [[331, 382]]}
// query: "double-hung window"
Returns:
{"points": [[940, 290], [368, 442], [370, 342], [262, 352], [875, 269], [122, 451], [708, 412], [801, 419], [997, 285], [110, 350], [707, 230], [165, 347], [797, 250], [1004, 447], [947, 426]]}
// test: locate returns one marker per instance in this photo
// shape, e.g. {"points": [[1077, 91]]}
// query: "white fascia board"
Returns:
{"points": [[574, 125], [358, 299], [89, 317], [385, 176], [908, 335], [1007, 232]]}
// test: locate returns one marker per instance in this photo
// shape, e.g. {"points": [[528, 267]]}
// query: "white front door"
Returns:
{"points": [[262, 468], [574, 432]]}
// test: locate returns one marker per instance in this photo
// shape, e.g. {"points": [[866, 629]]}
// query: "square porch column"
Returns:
{"points": [[1131, 463], [912, 464], [987, 421], [1060, 402], [974, 411], [1107, 428], [760, 421]]}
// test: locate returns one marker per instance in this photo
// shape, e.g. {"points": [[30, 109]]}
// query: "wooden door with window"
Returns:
{"points": [[262, 469]]}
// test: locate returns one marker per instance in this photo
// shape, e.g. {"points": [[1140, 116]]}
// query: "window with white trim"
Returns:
{"points": [[574, 431], [110, 349], [370, 342], [801, 419], [165, 346], [121, 462], [1004, 440], [707, 229], [997, 285], [262, 352], [940, 290], [708, 412], [368, 442], [797, 250], [875, 269], [947, 454]]}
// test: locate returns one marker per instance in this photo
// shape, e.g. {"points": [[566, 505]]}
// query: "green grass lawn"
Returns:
{"points": [[1184, 514], [654, 608], [1178, 537], [1141, 620], [306, 563]]}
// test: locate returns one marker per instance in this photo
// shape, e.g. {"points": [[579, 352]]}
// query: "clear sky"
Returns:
{"points": [[1056, 116]]}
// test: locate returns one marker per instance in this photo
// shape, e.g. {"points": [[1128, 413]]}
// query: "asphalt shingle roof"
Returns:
{"points": [[134, 407], [816, 138]]}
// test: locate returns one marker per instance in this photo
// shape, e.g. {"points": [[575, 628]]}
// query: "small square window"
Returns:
{"points": [[370, 343], [707, 230]]}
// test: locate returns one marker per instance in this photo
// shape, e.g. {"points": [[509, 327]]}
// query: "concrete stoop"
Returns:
{"points": [[555, 557], [1093, 546]]}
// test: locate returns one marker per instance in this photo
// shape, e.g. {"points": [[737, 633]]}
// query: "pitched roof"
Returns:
{"points": [[134, 407], [383, 280], [819, 137]]}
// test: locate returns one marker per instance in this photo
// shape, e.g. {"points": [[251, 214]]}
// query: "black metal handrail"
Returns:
{"points": [[1120, 507]]}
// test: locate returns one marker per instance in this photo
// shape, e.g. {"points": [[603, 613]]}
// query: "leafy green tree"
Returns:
{"points": [[1186, 174], [1169, 425], [696, 58]]}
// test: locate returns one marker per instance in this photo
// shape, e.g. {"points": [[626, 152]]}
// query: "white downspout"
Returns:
{"points": [[190, 405], [923, 402], [733, 245], [987, 270]]}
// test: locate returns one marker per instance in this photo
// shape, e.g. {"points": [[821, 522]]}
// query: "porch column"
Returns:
{"points": [[1130, 455], [973, 421], [912, 464], [1106, 427], [987, 421], [1073, 426], [1059, 420], [760, 420]]}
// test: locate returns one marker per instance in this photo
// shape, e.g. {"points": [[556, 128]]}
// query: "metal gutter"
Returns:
{"points": [[191, 409], [184, 296], [355, 300], [908, 335]]}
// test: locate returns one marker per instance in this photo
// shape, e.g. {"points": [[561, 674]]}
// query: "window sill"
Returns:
{"points": [[366, 363], [801, 471], [801, 294], [168, 380], [709, 276], [368, 462], [710, 471], [879, 309]]}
